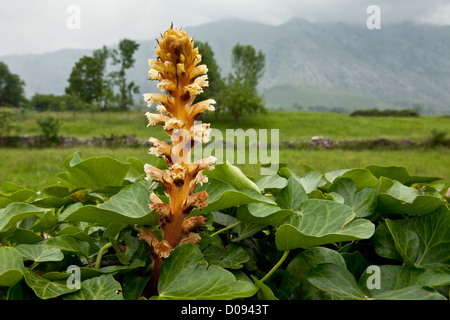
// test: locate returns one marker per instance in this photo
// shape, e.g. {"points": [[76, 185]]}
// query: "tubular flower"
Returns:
{"points": [[181, 77]]}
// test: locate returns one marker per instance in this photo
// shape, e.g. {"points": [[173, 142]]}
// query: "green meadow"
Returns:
{"points": [[293, 126], [38, 167]]}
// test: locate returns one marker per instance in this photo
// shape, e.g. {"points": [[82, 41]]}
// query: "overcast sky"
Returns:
{"points": [[36, 26]]}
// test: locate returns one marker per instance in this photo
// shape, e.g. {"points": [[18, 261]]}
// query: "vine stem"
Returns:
{"points": [[98, 262], [226, 228], [275, 267]]}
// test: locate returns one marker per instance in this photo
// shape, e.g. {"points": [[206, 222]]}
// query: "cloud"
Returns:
{"points": [[41, 26]]}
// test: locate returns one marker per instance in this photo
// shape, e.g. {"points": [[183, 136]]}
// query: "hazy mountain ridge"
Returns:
{"points": [[402, 63]]}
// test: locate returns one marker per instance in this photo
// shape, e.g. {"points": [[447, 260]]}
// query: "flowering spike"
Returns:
{"points": [[181, 77]]}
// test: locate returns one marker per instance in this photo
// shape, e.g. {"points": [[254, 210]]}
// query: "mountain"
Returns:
{"points": [[307, 64]]}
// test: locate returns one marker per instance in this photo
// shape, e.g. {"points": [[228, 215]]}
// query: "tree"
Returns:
{"points": [[248, 65], [47, 102], [86, 80], [216, 83], [11, 87], [101, 56], [240, 96], [124, 58]]}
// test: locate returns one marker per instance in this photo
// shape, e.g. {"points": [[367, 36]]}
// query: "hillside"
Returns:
{"points": [[308, 64]]}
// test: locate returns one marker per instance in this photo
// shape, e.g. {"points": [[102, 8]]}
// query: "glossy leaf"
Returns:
{"points": [[311, 181], [94, 173], [294, 282], [398, 277], [271, 182], [186, 275], [11, 192], [363, 203], [362, 177], [292, 195], [337, 281], [231, 257], [264, 292], [73, 243], [342, 285], [400, 174], [423, 240], [384, 244], [400, 199], [44, 288], [222, 196], [16, 212], [263, 213], [24, 236], [39, 253], [232, 176], [10, 264], [98, 288], [321, 222], [129, 206]]}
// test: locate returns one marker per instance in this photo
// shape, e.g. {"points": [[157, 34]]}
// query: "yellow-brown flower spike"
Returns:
{"points": [[182, 77]]}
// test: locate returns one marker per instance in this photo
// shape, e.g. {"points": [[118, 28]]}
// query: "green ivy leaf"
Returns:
{"points": [[134, 284], [294, 281], [311, 181], [383, 243], [263, 213], [94, 173], [336, 280], [232, 257], [39, 253], [47, 221], [264, 292], [77, 243], [12, 192], [423, 240], [363, 178], [186, 275], [321, 222], [292, 195], [395, 197], [232, 176], [363, 203], [342, 285], [271, 182], [400, 174], [44, 288], [397, 277], [10, 263], [24, 236], [16, 212], [53, 202], [222, 196], [129, 206], [98, 288]]}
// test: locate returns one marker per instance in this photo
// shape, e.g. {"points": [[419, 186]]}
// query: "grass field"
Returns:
{"points": [[293, 126], [36, 168]]}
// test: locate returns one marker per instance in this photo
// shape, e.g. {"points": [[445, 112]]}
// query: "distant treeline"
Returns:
{"points": [[385, 113]]}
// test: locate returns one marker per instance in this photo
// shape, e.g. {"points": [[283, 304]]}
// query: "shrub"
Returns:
{"points": [[6, 123], [50, 128], [384, 113], [437, 137]]}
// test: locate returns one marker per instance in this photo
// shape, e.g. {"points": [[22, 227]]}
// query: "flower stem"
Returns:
{"points": [[226, 228], [98, 262], [275, 267]]}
